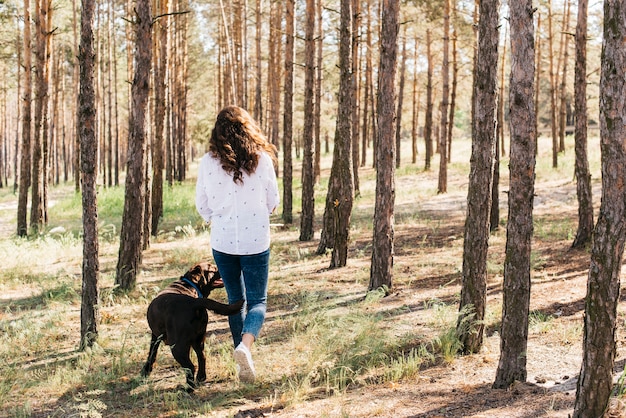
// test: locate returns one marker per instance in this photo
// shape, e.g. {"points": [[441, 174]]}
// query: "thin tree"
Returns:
{"points": [[131, 239], [308, 197], [339, 198], [25, 159], [356, 93], [442, 184], [581, 169], [160, 68], [563, 87], [455, 81], [514, 340], [415, 108], [470, 325], [258, 99], [400, 101], [368, 91], [494, 224], [428, 123], [89, 315], [603, 286], [381, 271], [317, 118], [553, 84], [288, 113]]}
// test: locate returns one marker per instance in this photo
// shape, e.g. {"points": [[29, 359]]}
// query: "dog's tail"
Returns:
{"points": [[220, 308]]}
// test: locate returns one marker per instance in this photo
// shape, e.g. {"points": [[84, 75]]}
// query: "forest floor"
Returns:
{"points": [[303, 293]]}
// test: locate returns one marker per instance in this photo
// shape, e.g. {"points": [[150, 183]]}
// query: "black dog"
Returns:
{"points": [[178, 317]]}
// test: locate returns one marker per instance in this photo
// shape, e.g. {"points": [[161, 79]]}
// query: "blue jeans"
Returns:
{"points": [[245, 277]]}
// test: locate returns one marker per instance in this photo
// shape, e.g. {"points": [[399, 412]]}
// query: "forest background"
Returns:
{"points": [[202, 70]]}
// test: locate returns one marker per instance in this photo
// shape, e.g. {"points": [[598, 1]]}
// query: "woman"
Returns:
{"points": [[236, 192]]}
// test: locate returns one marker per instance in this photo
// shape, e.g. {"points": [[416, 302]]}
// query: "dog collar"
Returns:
{"points": [[186, 280]]}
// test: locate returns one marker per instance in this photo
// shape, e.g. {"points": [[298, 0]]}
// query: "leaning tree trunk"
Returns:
{"points": [[514, 334], [308, 197], [288, 114], [596, 376], [89, 315], [336, 228], [581, 170], [470, 325], [131, 239], [25, 159], [381, 271]]}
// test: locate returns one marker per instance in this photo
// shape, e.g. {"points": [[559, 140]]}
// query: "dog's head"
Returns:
{"points": [[206, 276]]}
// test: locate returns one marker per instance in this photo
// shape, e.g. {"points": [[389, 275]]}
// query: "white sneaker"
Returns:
{"points": [[245, 366]]}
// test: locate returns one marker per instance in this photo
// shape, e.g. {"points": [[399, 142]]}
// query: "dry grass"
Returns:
{"points": [[328, 349]]}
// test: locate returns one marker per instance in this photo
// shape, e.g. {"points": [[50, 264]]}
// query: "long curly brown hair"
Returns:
{"points": [[237, 140]]}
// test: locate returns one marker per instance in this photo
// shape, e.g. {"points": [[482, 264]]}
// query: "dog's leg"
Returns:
{"points": [[198, 347], [181, 354], [154, 348]]}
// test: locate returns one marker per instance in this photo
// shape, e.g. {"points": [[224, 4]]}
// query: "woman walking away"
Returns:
{"points": [[236, 192]]}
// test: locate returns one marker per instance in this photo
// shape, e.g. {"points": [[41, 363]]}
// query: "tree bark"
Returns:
{"points": [[400, 102], [470, 325], [308, 197], [553, 83], [581, 168], [336, 222], [288, 113], [603, 287], [160, 71], [381, 271], [415, 108], [317, 134], [356, 94], [131, 239], [563, 87], [428, 123], [90, 314], [442, 185], [516, 300], [25, 159]]}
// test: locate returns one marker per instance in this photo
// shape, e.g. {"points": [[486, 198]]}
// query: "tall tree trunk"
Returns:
{"points": [[428, 124], [442, 185], [338, 210], [317, 118], [415, 108], [368, 93], [131, 239], [563, 88], [581, 169], [538, 46], [494, 224], [308, 197], [455, 77], [356, 94], [288, 113], [553, 82], [514, 340], [400, 102], [39, 175], [603, 287], [90, 313], [160, 71], [75, 84], [381, 271], [25, 159], [470, 325], [258, 99]]}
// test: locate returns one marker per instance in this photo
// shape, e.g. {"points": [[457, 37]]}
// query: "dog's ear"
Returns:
{"points": [[195, 273]]}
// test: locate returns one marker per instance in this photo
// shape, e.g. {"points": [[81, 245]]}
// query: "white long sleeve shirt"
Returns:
{"points": [[239, 213]]}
